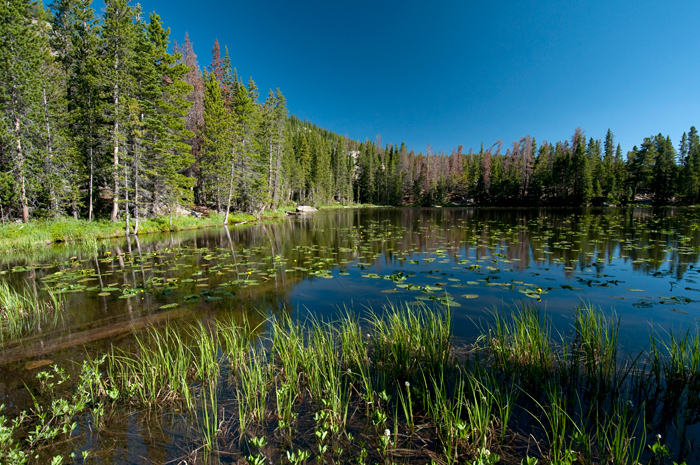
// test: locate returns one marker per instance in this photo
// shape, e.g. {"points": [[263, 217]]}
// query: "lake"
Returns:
{"points": [[638, 264]]}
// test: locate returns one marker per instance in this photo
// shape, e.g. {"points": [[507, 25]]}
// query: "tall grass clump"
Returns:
{"points": [[158, 373], [412, 340], [391, 388], [22, 313], [594, 349], [522, 345]]}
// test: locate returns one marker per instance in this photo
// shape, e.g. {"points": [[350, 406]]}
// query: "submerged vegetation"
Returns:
{"points": [[394, 387]]}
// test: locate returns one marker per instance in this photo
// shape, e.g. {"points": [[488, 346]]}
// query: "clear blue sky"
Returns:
{"points": [[462, 72]]}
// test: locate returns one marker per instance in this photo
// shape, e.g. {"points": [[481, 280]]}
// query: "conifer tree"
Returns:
{"points": [[216, 139], [640, 166], [692, 167], [194, 118], [246, 170], [74, 40], [118, 42], [165, 128], [24, 52], [664, 171]]}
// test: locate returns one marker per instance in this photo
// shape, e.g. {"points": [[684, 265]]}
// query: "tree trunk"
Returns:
{"points": [[136, 186], [275, 191], [230, 187], [91, 166], [269, 178], [20, 167], [53, 203], [115, 141], [126, 198]]}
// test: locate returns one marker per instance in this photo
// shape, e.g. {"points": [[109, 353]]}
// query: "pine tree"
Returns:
{"points": [[58, 168], [640, 166], [607, 177], [664, 171], [165, 108], [217, 63], [693, 167], [23, 53], [118, 42], [75, 42], [216, 139], [193, 77], [246, 171]]}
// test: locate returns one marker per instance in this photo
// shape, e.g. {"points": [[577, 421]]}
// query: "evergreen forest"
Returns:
{"points": [[103, 116]]}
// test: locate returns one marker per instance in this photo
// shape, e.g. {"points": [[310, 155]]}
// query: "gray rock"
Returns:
{"points": [[306, 209]]}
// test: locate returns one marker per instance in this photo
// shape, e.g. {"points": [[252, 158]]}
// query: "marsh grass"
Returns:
{"points": [[22, 313], [390, 389]]}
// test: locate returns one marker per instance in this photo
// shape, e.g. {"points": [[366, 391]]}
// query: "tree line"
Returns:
{"points": [[103, 118]]}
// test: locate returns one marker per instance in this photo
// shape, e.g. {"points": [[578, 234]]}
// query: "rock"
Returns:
{"points": [[306, 209]]}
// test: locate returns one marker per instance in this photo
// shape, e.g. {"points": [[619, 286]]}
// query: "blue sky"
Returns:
{"points": [[462, 72]]}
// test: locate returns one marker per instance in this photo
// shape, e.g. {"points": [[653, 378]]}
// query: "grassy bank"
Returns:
{"points": [[19, 237], [394, 388]]}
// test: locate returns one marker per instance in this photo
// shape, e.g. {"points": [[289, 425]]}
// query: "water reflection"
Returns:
{"points": [[643, 259]]}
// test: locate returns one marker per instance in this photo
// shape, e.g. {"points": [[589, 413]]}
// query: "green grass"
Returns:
{"points": [[389, 388], [22, 313], [16, 237]]}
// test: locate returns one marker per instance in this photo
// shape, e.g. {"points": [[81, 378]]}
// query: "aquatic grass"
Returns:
{"points": [[410, 340], [288, 345], [23, 313], [159, 373], [313, 378], [209, 425], [234, 343], [207, 360], [595, 348], [558, 426], [252, 393], [478, 408], [445, 410], [286, 396], [323, 367], [674, 373], [523, 345], [356, 357], [618, 444]]}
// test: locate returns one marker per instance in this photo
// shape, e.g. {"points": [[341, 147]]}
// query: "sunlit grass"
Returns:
{"points": [[389, 388], [22, 313]]}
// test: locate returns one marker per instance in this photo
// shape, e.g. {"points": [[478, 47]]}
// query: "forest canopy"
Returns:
{"points": [[102, 117]]}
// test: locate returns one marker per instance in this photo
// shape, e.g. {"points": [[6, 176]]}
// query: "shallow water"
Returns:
{"points": [[641, 264]]}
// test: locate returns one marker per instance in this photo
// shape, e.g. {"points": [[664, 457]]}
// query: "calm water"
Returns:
{"points": [[642, 264]]}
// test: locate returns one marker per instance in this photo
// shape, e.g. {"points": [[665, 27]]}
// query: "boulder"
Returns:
{"points": [[306, 209]]}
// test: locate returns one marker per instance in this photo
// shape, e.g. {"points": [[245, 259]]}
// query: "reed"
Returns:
{"points": [[594, 348], [575, 398], [411, 340], [159, 373], [523, 345], [252, 392], [22, 313]]}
